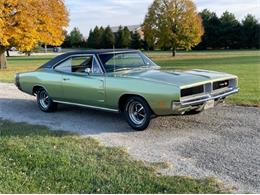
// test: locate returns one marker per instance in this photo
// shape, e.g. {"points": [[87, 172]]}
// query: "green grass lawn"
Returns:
{"points": [[21, 64], [34, 159], [244, 64]]}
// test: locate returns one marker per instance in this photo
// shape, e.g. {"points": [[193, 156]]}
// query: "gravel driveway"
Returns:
{"points": [[223, 142]]}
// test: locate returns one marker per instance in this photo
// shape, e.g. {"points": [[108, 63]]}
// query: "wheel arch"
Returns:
{"points": [[124, 97], [37, 87]]}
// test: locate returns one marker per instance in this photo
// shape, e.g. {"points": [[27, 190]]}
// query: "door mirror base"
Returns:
{"points": [[88, 70]]}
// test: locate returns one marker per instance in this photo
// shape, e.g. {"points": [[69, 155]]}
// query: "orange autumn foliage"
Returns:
{"points": [[25, 23]]}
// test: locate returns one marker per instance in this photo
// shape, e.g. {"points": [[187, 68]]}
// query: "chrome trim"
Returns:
{"points": [[118, 52], [87, 106], [209, 97]]}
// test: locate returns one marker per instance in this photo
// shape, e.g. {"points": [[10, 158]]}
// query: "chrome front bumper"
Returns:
{"points": [[195, 102], [209, 97]]}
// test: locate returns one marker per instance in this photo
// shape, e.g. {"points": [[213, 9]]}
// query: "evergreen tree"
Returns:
{"points": [[96, 38], [90, 41], [250, 32], [123, 37], [108, 38], [136, 41], [76, 38], [119, 35], [66, 43], [211, 24], [230, 30], [126, 41], [100, 35]]}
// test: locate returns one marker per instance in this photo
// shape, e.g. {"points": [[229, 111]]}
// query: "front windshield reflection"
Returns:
{"points": [[114, 62]]}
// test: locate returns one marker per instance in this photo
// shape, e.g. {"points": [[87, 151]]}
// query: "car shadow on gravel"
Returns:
{"points": [[70, 118]]}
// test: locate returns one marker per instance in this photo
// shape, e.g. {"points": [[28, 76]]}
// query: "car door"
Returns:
{"points": [[83, 81]]}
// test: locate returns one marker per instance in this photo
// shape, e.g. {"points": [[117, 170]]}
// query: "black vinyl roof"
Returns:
{"points": [[59, 58]]}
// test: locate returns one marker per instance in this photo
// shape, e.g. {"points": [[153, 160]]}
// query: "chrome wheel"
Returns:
{"points": [[45, 102], [137, 112], [44, 99]]}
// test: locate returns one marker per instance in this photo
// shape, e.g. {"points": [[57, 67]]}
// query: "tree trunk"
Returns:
{"points": [[3, 63], [7, 53], [45, 48], [173, 52]]}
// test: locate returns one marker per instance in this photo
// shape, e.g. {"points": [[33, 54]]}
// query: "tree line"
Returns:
{"points": [[227, 32], [103, 38], [224, 32]]}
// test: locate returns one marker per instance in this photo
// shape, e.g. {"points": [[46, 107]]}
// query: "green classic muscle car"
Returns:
{"points": [[124, 81]]}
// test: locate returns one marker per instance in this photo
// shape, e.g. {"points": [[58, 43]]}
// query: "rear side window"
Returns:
{"points": [[80, 64]]}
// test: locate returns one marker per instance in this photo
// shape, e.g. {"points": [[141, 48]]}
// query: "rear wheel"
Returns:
{"points": [[137, 113], [44, 102]]}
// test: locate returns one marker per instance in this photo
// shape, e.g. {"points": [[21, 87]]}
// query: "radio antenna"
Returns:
{"points": [[114, 58]]}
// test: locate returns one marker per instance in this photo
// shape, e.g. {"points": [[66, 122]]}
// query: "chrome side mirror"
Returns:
{"points": [[88, 70]]}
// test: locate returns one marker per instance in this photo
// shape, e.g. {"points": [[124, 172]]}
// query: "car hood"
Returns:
{"points": [[178, 78]]}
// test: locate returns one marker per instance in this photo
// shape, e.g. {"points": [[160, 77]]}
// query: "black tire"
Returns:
{"points": [[137, 113], [44, 102]]}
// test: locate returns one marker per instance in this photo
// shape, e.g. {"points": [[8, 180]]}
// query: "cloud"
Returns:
{"points": [[86, 14]]}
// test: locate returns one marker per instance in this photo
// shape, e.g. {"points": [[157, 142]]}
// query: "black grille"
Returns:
{"points": [[192, 91], [220, 84]]}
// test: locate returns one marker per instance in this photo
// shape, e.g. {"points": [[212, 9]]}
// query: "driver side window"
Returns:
{"points": [[80, 64]]}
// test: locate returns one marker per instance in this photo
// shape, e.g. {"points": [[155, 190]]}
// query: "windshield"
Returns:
{"points": [[114, 62]]}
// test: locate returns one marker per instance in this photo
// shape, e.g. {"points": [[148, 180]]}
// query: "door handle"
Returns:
{"points": [[66, 79]]}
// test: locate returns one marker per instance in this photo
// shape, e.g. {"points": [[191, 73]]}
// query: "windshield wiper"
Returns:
{"points": [[122, 69], [142, 67], [133, 68]]}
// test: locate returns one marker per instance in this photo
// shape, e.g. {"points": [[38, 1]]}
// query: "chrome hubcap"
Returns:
{"points": [[137, 113], [44, 99]]}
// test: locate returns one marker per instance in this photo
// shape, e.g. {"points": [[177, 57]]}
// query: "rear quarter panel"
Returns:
{"points": [[48, 79]]}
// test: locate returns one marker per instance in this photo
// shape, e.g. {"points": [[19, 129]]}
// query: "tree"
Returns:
{"points": [[136, 41], [250, 32], [174, 23], [229, 31], [126, 39], [66, 43], [76, 38], [118, 37], [90, 41], [108, 38], [211, 24], [23, 24], [101, 33], [257, 43], [94, 40], [150, 30], [123, 37]]}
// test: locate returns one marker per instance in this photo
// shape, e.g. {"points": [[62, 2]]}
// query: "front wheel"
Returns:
{"points": [[44, 102], [137, 113]]}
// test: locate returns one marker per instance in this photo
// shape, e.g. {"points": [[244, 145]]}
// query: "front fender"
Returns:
{"points": [[159, 96]]}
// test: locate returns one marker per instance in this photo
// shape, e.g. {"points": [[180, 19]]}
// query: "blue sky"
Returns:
{"points": [[86, 14]]}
